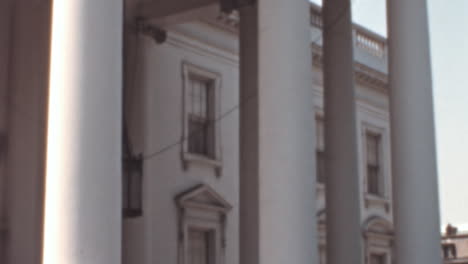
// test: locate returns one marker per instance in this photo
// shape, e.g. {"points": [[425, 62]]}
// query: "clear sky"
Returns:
{"points": [[448, 25]]}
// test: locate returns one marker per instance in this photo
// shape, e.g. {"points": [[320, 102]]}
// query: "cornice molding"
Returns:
{"points": [[226, 22], [203, 48]]}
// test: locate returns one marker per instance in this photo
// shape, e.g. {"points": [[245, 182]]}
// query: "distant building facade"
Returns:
{"points": [[454, 246]]}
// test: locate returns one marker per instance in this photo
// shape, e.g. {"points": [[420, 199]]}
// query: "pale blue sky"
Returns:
{"points": [[448, 22]]}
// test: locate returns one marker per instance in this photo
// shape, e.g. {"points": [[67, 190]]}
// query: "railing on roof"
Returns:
{"points": [[316, 18], [369, 41], [364, 39]]}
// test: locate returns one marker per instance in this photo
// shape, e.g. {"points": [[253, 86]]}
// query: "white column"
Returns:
{"points": [[415, 193], [343, 193], [83, 177], [277, 155]]}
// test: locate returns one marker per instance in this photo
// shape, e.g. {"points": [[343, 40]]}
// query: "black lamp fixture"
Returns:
{"points": [[132, 186]]}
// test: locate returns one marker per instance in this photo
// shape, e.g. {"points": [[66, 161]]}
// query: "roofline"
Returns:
{"points": [[317, 8]]}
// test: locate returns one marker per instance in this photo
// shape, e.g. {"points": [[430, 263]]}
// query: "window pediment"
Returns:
{"points": [[377, 225], [203, 197]]}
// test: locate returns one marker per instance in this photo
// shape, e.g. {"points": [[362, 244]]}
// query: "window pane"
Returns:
{"points": [[373, 163], [201, 127], [373, 179], [199, 97], [196, 135], [203, 101], [373, 148]]}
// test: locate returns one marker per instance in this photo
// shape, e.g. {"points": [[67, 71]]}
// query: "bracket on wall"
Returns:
{"points": [[157, 34], [227, 6]]}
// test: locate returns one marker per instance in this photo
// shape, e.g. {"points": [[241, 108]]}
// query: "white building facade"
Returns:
{"points": [[271, 132], [165, 76]]}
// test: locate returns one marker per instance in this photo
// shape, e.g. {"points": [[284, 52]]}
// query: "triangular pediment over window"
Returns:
{"points": [[378, 225], [203, 197]]}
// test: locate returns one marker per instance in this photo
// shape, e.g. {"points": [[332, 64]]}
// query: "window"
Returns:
{"points": [[373, 162], [201, 133], [201, 246], [320, 149], [378, 259], [201, 116], [202, 226]]}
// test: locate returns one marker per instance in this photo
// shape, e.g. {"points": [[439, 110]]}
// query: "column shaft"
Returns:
{"points": [[25, 113], [415, 192], [83, 183], [277, 156], [343, 193]]}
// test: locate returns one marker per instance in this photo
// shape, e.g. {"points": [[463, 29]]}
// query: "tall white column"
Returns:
{"points": [[415, 193], [277, 160], [83, 177], [344, 237]]}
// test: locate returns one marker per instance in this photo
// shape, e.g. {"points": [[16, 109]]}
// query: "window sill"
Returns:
{"points": [[376, 201], [189, 158]]}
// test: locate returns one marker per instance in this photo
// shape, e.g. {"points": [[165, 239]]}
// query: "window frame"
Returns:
{"points": [[191, 71], [382, 175], [380, 187]]}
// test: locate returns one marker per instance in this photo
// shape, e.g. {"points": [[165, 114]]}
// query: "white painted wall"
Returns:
{"points": [[164, 176], [158, 94]]}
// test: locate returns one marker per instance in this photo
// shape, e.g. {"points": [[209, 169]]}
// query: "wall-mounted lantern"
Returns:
{"points": [[132, 186]]}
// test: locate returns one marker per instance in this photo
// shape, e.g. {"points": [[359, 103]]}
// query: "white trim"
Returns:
{"points": [[375, 120]]}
